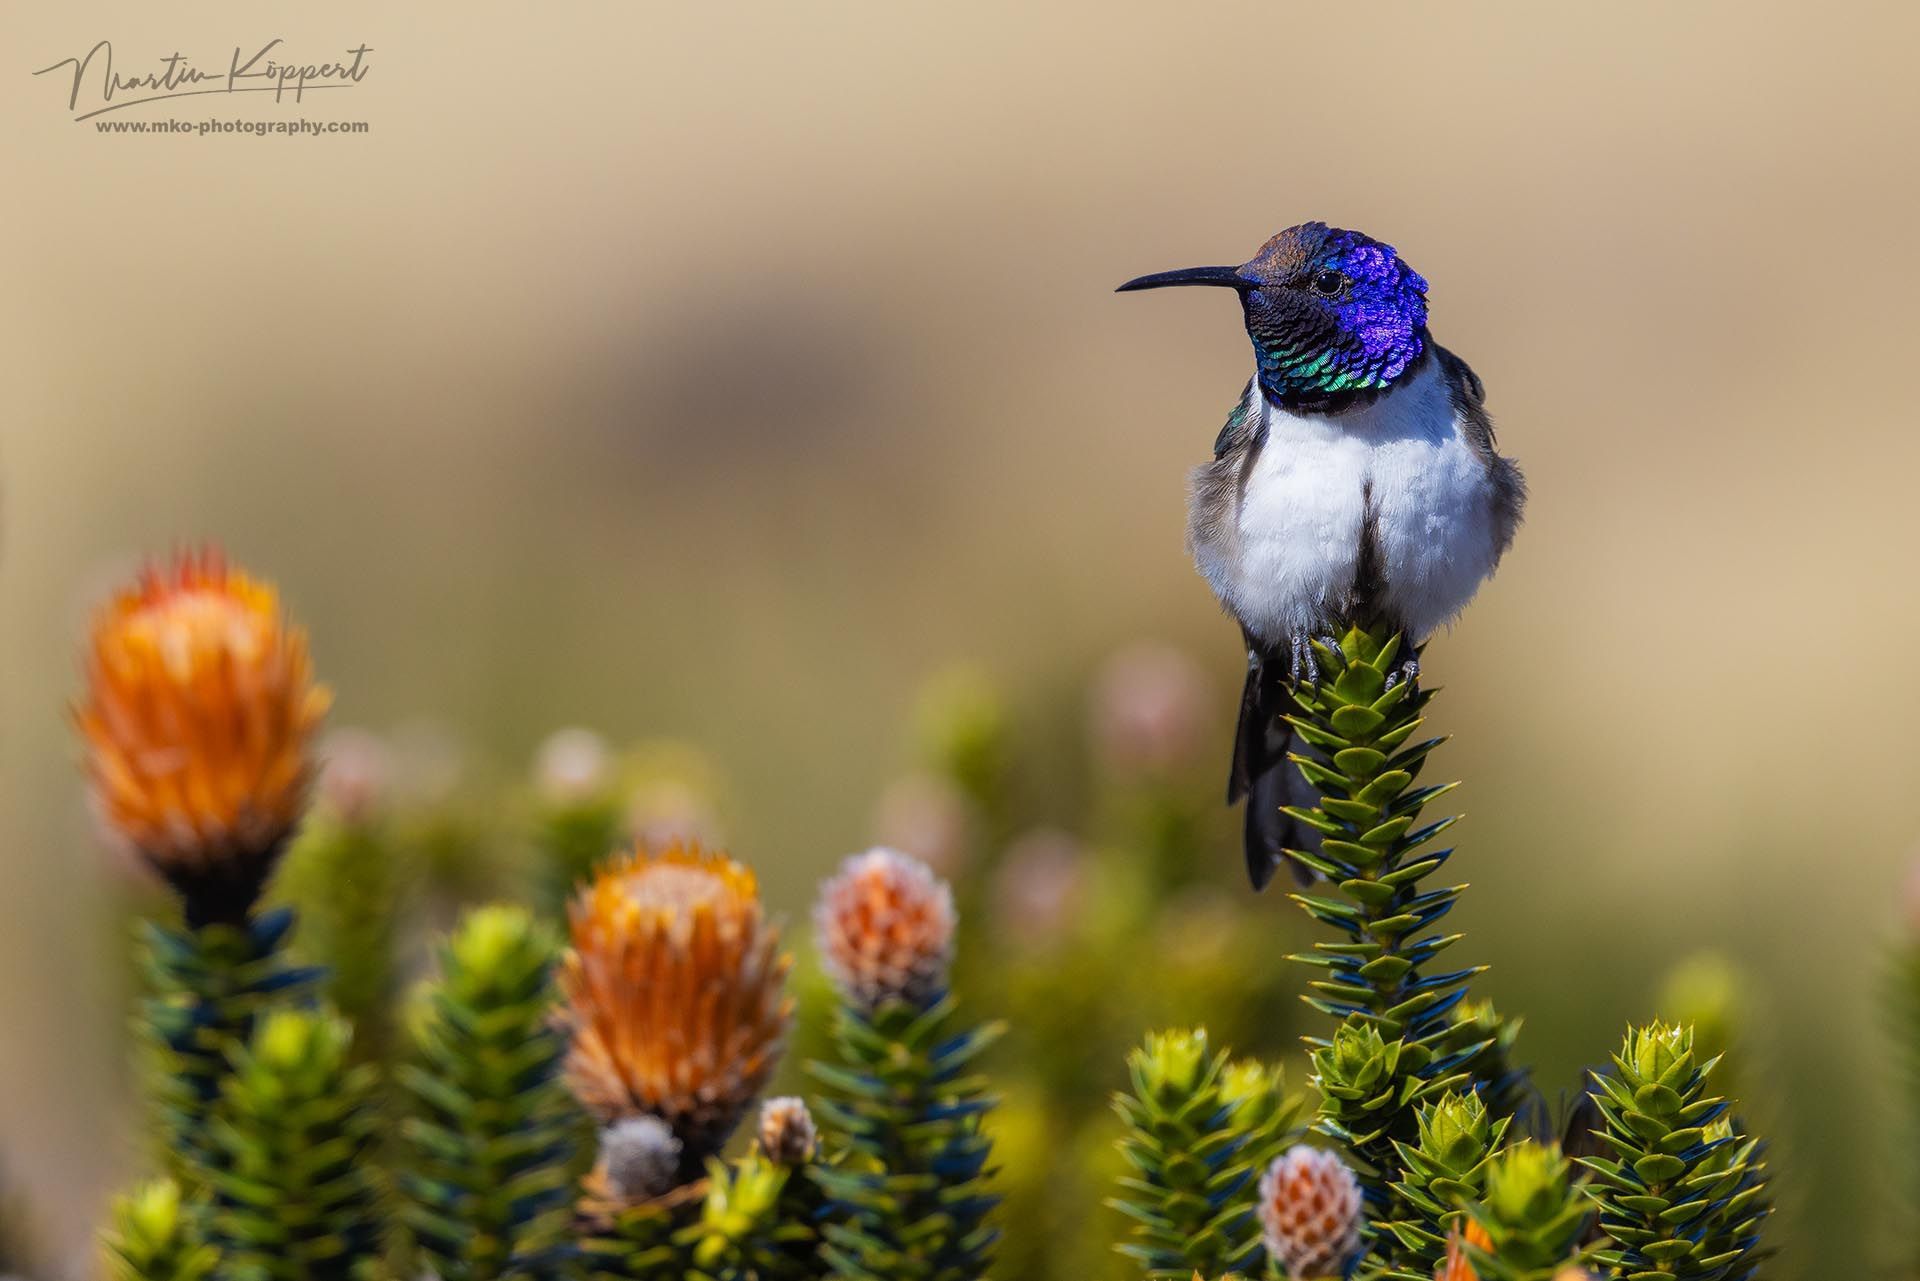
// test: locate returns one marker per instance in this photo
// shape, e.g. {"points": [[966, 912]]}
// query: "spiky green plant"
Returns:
{"points": [[344, 876], [1398, 1044], [636, 1242], [491, 1145], [1447, 1167], [206, 986], [746, 1231], [1486, 1038], [1371, 1087], [154, 1234], [1684, 1192], [297, 1198], [910, 1197], [1533, 1213], [1359, 752], [574, 833], [1200, 1129]]}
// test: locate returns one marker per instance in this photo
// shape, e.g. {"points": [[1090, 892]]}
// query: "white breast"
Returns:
{"points": [[1401, 464]]}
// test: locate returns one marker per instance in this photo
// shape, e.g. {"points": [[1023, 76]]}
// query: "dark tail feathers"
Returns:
{"points": [[1263, 774]]}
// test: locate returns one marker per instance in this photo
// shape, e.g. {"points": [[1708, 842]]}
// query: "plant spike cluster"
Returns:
{"points": [[1400, 1041], [206, 986], [490, 1145], [746, 1231], [910, 1201], [1371, 1088], [297, 1197], [1684, 1193], [343, 871], [1357, 733], [1486, 1037], [1527, 1224], [675, 1012], [156, 1235], [1447, 1167], [1201, 1128], [638, 1241]]}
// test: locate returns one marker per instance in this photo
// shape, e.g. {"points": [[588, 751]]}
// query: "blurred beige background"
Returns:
{"points": [[721, 371]]}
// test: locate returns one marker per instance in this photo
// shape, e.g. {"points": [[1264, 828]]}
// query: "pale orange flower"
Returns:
{"points": [[884, 925], [198, 719], [1310, 1212], [674, 995]]}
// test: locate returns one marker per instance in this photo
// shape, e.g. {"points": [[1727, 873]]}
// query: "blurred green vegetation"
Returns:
{"points": [[1099, 882]]}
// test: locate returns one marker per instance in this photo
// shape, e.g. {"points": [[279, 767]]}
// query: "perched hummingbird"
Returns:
{"points": [[1356, 481]]}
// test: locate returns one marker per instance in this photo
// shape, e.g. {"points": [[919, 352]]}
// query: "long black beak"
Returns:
{"points": [[1230, 277]]}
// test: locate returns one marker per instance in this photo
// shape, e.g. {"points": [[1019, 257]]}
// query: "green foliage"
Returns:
{"points": [[910, 1199], [1533, 1212], [297, 1197], [640, 1242], [574, 835], [1684, 1193], [1903, 1009], [1200, 1129], [1399, 1042], [963, 728], [156, 1235], [1358, 754], [1484, 1040], [345, 877], [205, 987], [1447, 1167], [491, 1144], [749, 1229], [1370, 1090]]}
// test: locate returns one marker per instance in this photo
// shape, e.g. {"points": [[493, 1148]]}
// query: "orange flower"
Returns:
{"points": [[1457, 1266], [200, 707], [674, 991], [1310, 1211], [884, 925]]}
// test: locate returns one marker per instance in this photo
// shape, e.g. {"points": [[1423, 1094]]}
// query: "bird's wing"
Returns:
{"points": [[1470, 403], [1469, 397]]}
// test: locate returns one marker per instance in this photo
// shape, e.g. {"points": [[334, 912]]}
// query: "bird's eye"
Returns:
{"points": [[1328, 283]]}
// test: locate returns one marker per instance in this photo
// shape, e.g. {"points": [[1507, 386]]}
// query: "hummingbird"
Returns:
{"points": [[1355, 481]]}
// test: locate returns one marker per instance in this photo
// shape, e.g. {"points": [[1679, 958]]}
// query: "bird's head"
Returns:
{"points": [[1333, 314]]}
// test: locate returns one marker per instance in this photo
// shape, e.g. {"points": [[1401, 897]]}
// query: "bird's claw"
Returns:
{"points": [[1304, 663], [1407, 670]]}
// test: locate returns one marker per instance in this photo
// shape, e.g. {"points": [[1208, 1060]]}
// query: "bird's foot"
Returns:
{"points": [[1407, 670], [1304, 664]]}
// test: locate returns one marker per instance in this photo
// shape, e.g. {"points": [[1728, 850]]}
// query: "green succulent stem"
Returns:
{"points": [[1357, 729], [642, 1242], [573, 837], [1399, 1043], [909, 1196], [1200, 1130], [1444, 1170], [1683, 1194], [494, 1140], [296, 1196], [156, 1234], [206, 987], [345, 878], [748, 1229], [1533, 1213]]}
